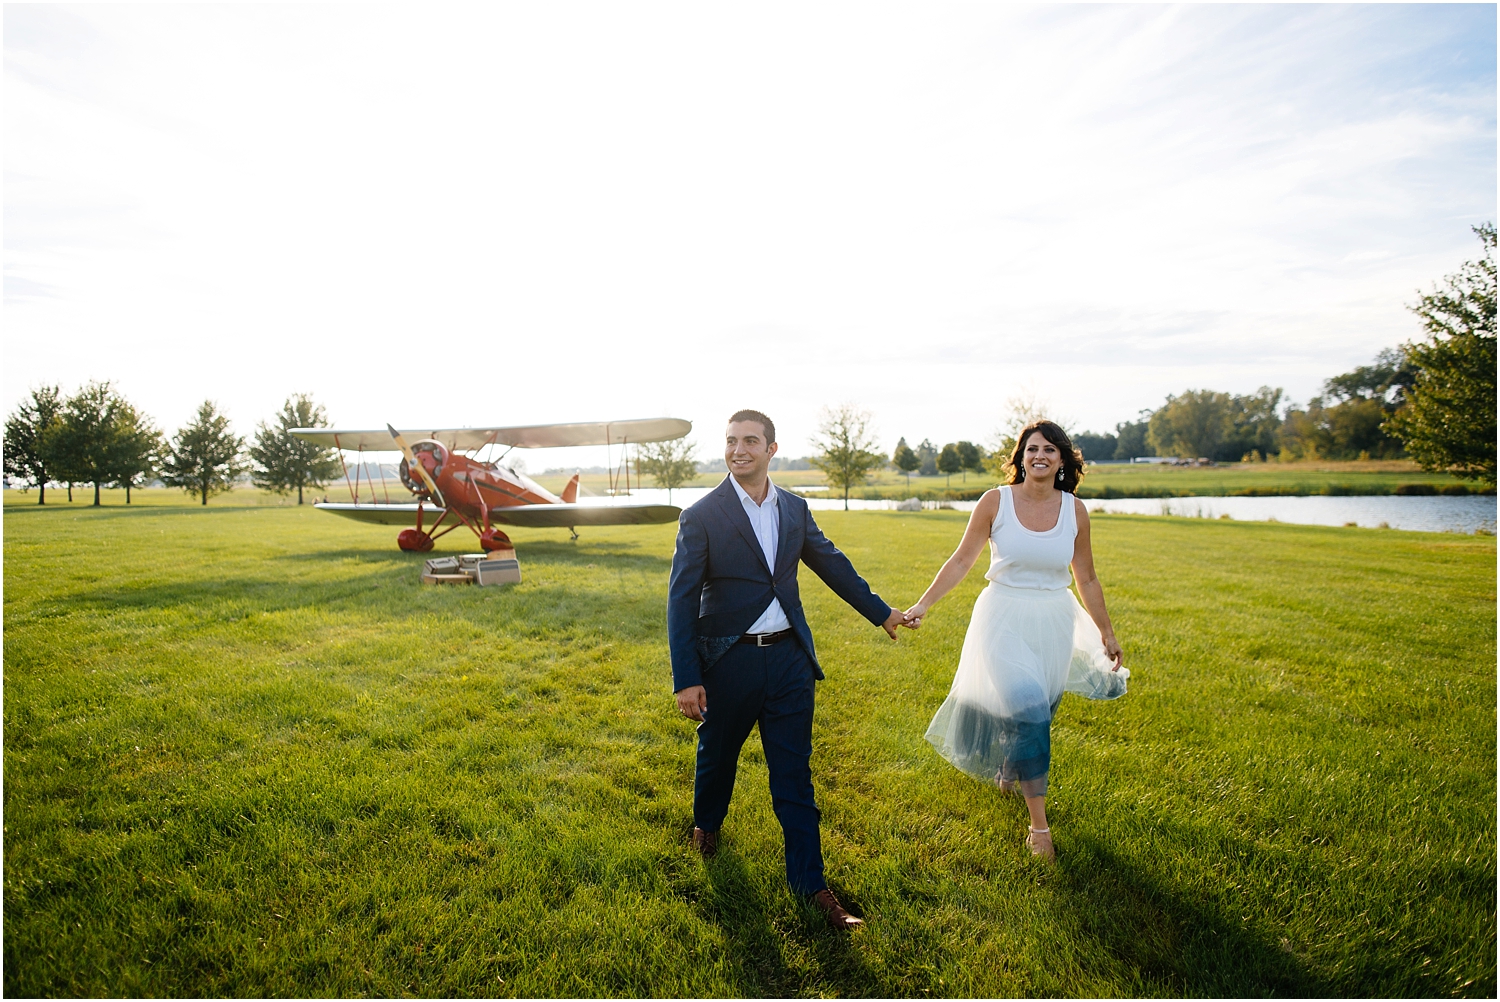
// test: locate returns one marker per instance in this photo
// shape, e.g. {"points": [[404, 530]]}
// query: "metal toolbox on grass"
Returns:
{"points": [[473, 568], [506, 570]]}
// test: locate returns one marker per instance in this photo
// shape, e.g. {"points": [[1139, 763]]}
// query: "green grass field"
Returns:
{"points": [[247, 753]]}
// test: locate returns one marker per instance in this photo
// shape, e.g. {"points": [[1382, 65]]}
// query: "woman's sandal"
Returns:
{"points": [[1039, 841]]}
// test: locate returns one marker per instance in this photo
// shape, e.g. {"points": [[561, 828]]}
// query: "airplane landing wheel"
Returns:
{"points": [[491, 540], [413, 541], [572, 534]]}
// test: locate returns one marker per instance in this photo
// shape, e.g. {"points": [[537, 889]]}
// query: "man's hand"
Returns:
{"points": [[693, 702], [895, 619]]}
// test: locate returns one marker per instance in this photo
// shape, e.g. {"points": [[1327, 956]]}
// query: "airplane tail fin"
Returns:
{"points": [[570, 492]]}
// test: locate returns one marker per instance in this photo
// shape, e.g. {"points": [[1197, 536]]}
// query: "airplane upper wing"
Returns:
{"points": [[537, 516], [535, 436]]}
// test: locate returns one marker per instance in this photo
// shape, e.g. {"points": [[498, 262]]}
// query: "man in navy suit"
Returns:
{"points": [[742, 652]]}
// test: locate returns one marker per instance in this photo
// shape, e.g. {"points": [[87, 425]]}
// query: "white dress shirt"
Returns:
{"points": [[765, 519]]}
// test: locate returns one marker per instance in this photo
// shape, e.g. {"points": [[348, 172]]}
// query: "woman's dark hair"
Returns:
{"points": [[1072, 459]]}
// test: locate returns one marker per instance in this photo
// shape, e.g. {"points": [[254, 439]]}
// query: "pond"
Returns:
{"points": [[1467, 513]]}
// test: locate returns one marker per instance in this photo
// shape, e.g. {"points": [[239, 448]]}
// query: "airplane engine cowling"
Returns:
{"points": [[409, 480], [427, 448]]}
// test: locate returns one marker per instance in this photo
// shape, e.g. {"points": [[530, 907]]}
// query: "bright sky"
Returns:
{"points": [[521, 213]]}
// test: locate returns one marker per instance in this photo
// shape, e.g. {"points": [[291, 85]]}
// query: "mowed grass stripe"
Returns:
{"points": [[247, 753]]}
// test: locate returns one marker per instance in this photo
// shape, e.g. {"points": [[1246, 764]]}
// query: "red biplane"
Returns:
{"points": [[479, 493]]}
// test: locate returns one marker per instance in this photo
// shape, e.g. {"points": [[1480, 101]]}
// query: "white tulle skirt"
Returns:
{"points": [[1024, 649]]}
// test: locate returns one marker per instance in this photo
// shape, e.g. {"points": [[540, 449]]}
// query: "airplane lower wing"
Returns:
{"points": [[383, 514], [541, 516], [566, 516]]}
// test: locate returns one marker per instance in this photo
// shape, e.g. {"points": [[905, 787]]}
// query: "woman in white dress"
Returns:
{"points": [[1028, 640]]}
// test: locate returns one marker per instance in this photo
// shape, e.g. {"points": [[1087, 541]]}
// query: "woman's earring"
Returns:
{"points": [[1059, 475]]}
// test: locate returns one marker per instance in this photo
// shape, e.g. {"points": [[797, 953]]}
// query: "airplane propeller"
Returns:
{"points": [[412, 464]]}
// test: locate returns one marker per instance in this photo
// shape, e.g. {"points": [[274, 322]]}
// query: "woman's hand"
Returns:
{"points": [[914, 616], [1112, 648]]}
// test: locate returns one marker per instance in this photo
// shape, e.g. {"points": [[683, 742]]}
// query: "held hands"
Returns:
{"points": [[914, 616], [895, 619]]}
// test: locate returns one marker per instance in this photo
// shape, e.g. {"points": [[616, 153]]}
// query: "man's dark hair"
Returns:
{"points": [[765, 423]]}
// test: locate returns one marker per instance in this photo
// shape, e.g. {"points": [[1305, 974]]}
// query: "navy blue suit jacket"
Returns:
{"points": [[720, 582]]}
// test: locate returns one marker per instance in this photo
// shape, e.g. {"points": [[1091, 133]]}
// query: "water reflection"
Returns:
{"points": [[1467, 514]]}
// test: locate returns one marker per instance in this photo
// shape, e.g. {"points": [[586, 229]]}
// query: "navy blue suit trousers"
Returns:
{"points": [[773, 687]]}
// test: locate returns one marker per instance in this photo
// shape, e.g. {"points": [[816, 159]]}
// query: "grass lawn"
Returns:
{"points": [[246, 753]]}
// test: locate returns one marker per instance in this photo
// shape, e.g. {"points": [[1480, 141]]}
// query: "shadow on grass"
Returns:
{"points": [[386, 588], [731, 901], [586, 551], [118, 510], [543, 553], [1171, 942]]}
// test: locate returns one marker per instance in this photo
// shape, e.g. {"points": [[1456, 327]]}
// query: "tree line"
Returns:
{"points": [[1432, 400], [99, 438]]}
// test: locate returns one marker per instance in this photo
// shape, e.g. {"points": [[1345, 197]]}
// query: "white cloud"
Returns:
{"points": [[528, 213]]}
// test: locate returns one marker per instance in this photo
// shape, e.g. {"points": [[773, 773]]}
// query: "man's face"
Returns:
{"points": [[746, 452]]}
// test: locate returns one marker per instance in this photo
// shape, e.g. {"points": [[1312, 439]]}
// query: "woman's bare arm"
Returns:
{"points": [[957, 566], [1089, 588]]}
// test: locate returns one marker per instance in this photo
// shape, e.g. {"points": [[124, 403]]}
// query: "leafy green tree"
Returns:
{"points": [[1190, 425], [1346, 421], [927, 455], [671, 464], [283, 462], [1095, 446], [1388, 379], [136, 448], [1448, 421], [84, 443], [845, 448], [1254, 421], [949, 462], [905, 459], [972, 458], [1130, 437], [205, 456], [1207, 424], [25, 438]]}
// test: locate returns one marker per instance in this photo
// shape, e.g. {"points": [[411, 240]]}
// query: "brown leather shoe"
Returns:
{"points": [[838, 916], [707, 843]]}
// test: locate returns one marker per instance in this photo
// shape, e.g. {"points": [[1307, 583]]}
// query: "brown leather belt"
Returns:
{"points": [[765, 639]]}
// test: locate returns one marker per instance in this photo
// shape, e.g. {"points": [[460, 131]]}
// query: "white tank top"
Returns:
{"points": [[1020, 558]]}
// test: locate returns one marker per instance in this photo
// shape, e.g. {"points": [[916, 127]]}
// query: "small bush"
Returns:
{"points": [[1409, 489]]}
